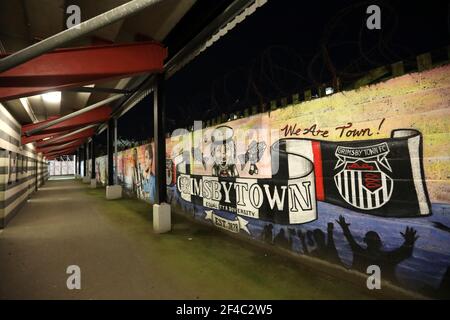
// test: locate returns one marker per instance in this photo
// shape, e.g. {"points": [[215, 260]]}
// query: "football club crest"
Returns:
{"points": [[363, 178]]}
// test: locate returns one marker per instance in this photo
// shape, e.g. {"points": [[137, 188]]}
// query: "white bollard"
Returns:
{"points": [[113, 192], [161, 218]]}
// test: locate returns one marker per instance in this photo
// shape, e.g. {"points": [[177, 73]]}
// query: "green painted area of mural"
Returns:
{"points": [[210, 265]]}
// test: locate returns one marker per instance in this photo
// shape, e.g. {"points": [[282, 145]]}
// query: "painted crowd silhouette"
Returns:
{"points": [[317, 244]]}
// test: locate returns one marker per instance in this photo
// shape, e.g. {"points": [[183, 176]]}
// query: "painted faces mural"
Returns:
{"points": [[101, 170], [357, 178], [135, 171]]}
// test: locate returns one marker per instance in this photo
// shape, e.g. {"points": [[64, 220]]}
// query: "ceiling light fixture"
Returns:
{"points": [[52, 97]]}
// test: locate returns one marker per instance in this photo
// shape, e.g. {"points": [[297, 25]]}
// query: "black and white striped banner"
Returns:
{"points": [[378, 177]]}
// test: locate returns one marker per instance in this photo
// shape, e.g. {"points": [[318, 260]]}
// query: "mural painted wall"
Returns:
{"points": [[357, 178], [135, 171], [101, 170]]}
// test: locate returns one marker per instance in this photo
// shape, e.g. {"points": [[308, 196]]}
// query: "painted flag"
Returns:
{"points": [[377, 177]]}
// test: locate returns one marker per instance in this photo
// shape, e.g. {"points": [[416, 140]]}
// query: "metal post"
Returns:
{"points": [[37, 173], [110, 152], [113, 189], [72, 115], [161, 210], [60, 39], [159, 136], [79, 162], [76, 160], [85, 159], [115, 151], [93, 158]]}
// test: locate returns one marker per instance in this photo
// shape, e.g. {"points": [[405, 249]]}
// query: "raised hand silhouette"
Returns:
{"points": [[410, 236], [341, 221], [373, 254]]}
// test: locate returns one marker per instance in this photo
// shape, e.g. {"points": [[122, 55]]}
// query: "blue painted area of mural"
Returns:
{"points": [[423, 270], [149, 188]]}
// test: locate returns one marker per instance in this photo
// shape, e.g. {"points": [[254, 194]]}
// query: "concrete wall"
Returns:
{"points": [[21, 169]]}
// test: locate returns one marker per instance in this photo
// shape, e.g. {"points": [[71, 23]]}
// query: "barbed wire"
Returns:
{"points": [[280, 70]]}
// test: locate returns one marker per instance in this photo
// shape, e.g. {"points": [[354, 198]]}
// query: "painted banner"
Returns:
{"points": [[234, 226], [379, 177]]}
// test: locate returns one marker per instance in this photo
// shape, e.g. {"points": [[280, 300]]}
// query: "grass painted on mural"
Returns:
{"points": [[215, 266]]}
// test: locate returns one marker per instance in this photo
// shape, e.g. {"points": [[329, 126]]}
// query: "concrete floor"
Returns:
{"points": [[66, 223]]}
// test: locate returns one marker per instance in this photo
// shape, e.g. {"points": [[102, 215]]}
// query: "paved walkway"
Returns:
{"points": [[66, 223]]}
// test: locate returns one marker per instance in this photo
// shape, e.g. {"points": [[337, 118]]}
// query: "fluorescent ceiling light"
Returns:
{"points": [[28, 109], [53, 97]]}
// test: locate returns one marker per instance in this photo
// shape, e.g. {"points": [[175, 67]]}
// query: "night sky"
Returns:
{"points": [[279, 50]]}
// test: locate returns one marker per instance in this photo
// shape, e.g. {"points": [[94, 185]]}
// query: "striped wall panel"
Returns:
{"points": [[22, 171]]}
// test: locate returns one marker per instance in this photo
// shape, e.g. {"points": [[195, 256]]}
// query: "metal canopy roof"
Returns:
{"points": [[185, 27]]}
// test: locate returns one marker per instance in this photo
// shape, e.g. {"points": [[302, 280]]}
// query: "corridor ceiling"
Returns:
{"points": [[184, 27], [24, 22]]}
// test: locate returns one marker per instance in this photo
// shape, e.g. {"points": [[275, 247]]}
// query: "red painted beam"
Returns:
{"points": [[100, 114], [75, 67], [64, 152], [55, 141], [52, 149], [60, 152], [39, 137]]}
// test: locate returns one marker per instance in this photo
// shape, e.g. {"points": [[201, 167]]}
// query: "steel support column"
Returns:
{"points": [[161, 210], [76, 159], [79, 161], [160, 140], [85, 159], [115, 151], [111, 170], [36, 168], [113, 189], [93, 158]]}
